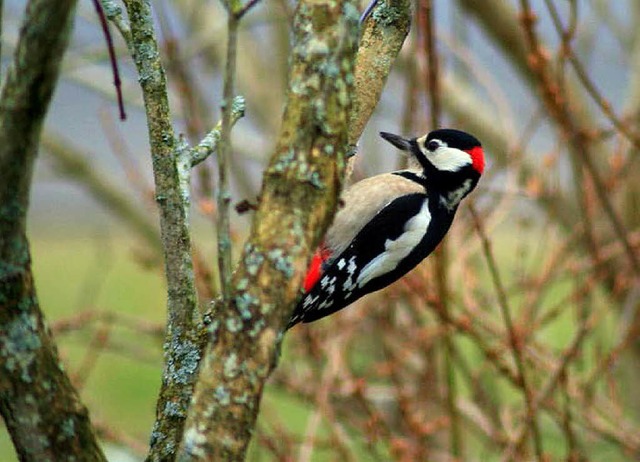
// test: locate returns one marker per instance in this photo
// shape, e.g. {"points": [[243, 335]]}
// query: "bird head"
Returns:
{"points": [[445, 150]]}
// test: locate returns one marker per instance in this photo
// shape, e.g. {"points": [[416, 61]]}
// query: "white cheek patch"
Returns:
{"points": [[395, 251], [448, 159]]}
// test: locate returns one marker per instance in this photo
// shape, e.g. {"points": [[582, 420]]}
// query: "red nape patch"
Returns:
{"points": [[477, 157], [315, 268]]}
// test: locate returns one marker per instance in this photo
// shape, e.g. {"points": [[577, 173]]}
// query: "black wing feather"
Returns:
{"points": [[388, 224]]}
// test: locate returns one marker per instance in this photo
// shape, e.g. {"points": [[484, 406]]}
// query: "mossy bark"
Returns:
{"points": [[298, 199], [332, 93], [183, 340], [382, 38], [40, 407]]}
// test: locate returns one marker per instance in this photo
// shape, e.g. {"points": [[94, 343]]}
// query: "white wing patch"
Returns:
{"points": [[398, 249]]}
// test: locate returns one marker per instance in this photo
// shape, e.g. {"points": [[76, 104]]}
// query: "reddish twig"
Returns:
{"points": [[552, 382], [427, 28], [112, 57], [96, 346], [557, 106], [583, 75], [514, 342]]}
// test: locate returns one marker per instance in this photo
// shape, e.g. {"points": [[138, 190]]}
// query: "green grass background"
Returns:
{"points": [[101, 273]]}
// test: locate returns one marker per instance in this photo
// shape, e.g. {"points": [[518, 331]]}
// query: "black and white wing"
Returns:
{"points": [[390, 245]]}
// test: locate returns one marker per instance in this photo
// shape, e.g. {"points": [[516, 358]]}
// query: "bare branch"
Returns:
{"points": [[383, 35], [39, 405], [112, 57], [113, 12], [183, 342], [298, 198], [210, 142], [223, 196], [514, 342]]}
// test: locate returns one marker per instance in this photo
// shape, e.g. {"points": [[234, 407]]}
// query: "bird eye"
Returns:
{"points": [[433, 145]]}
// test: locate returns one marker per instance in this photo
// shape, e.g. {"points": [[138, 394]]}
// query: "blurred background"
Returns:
{"points": [[412, 372]]}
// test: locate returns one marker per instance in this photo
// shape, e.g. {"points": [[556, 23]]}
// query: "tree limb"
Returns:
{"points": [[183, 341], [223, 196], [298, 199], [209, 143], [382, 38], [40, 407]]}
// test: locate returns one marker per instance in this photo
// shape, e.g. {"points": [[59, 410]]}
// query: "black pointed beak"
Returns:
{"points": [[399, 142]]}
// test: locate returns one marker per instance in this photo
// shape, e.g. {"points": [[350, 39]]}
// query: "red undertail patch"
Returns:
{"points": [[315, 268]]}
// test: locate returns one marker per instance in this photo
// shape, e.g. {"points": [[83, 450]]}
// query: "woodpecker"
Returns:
{"points": [[391, 222]]}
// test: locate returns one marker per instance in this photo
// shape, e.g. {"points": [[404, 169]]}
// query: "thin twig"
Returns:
{"points": [[242, 11], [183, 342], [559, 110], [552, 382], [112, 57], [514, 342], [93, 350], [583, 75], [223, 197], [210, 143], [427, 26], [567, 423], [113, 12], [182, 75]]}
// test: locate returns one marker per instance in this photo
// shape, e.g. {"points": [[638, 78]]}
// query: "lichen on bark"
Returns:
{"points": [[298, 199], [382, 38], [40, 407], [183, 340]]}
